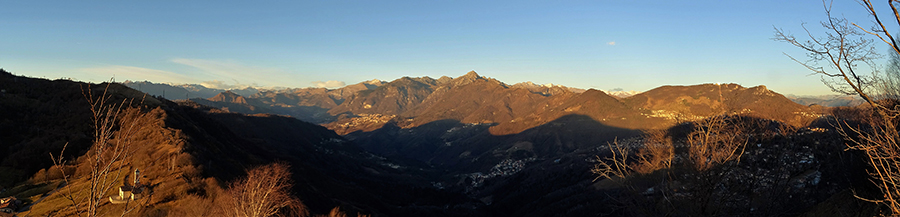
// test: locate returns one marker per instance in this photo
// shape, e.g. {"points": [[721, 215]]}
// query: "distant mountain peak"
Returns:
{"points": [[374, 82], [621, 93], [444, 80], [228, 96], [470, 77]]}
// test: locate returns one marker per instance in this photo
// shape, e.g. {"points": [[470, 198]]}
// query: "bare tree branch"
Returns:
{"points": [[844, 49]]}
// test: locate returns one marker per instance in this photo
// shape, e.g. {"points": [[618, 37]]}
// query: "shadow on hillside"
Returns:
{"points": [[455, 146], [312, 114], [555, 177], [38, 117], [330, 171], [327, 170]]}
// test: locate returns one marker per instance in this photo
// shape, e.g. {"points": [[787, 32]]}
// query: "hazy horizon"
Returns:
{"points": [[218, 85]]}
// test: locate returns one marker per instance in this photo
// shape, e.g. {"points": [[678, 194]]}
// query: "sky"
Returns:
{"points": [[628, 45]]}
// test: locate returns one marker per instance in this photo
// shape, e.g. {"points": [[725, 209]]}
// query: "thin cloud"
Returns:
{"points": [[217, 71], [612, 43], [216, 84], [121, 73], [329, 84]]}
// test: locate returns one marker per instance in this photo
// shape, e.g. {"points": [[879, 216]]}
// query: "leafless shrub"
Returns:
{"points": [[264, 192], [336, 212], [616, 166], [879, 143], [656, 153], [715, 141], [52, 173]]}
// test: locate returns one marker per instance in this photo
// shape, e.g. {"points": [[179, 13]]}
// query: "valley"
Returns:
{"points": [[464, 146]]}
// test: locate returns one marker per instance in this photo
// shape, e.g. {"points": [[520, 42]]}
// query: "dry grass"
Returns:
{"points": [[127, 138], [114, 126]]}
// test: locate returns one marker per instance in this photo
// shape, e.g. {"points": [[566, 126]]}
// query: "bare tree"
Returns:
{"points": [[715, 140], [114, 125], [657, 152], [889, 82], [336, 212], [616, 166], [837, 57], [266, 191]]}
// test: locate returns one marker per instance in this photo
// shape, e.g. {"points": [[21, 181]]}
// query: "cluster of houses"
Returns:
{"points": [[9, 205], [504, 168]]}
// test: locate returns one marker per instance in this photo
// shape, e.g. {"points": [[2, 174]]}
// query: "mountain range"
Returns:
{"points": [[510, 109], [464, 146], [827, 100]]}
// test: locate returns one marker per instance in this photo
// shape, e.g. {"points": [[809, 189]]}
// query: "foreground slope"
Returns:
{"points": [[187, 153]]}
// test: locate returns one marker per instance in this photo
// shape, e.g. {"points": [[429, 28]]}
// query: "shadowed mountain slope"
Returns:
{"points": [[392, 98], [466, 148], [307, 104], [183, 91], [230, 101]]}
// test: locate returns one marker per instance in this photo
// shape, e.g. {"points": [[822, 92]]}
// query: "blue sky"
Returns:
{"points": [[632, 45]]}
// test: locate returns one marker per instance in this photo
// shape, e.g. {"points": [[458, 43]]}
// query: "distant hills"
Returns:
{"points": [[183, 91], [828, 100], [471, 122], [509, 109], [512, 108]]}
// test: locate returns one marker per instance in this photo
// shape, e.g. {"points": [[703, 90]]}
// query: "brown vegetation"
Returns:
{"points": [[712, 141], [715, 141], [114, 126], [336, 212], [266, 191], [657, 152], [714, 171]]}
